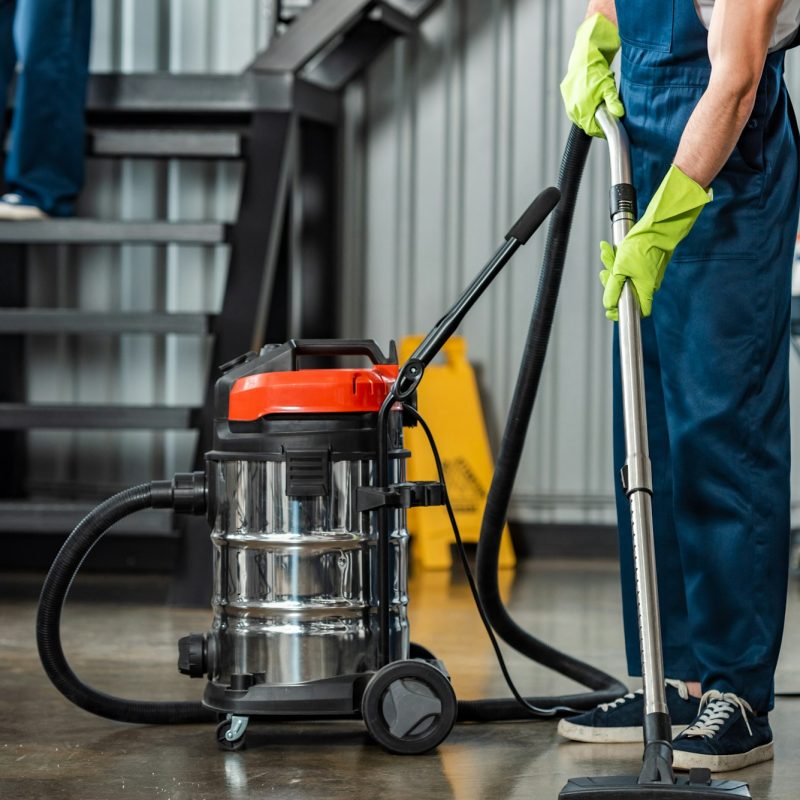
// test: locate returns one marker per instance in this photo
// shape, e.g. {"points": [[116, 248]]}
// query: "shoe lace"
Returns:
{"points": [[683, 691], [716, 708], [620, 700]]}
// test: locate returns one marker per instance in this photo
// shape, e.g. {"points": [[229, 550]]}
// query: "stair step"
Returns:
{"points": [[151, 93], [22, 416], [165, 143], [54, 320], [98, 231], [54, 517]]}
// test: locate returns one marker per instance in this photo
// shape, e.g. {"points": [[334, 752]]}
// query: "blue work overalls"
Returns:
{"points": [[716, 368], [50, 40]]}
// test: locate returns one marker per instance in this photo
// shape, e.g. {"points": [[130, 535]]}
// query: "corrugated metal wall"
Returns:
{"points": [[446, 141], [463, 126]]}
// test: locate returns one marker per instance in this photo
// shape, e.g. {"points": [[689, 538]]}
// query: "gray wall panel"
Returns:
{"points": [[463, 127]]}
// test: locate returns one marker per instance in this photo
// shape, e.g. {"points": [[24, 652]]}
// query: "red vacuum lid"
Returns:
{"points": [[311, 391]]}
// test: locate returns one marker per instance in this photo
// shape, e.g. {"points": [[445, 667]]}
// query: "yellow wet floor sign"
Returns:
{"points": [[448, 399]]}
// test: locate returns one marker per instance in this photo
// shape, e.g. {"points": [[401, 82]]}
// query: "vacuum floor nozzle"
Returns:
{"points": [[695, 786]]}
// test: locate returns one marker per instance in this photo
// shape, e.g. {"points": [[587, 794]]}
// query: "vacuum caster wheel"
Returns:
{"points": [[409, 707], [230, 733]]}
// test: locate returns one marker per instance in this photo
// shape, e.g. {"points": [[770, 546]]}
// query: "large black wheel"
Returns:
{"points": [[409, 707]]}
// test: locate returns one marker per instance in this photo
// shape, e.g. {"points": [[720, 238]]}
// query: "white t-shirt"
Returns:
{"points": [[785, 27]]}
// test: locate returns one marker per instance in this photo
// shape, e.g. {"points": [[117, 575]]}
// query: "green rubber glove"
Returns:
{"points": [[646, 250], [589, 80]]}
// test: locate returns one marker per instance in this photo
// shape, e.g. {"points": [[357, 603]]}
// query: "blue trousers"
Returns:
{"points": [[716, 353], [49, 39]]}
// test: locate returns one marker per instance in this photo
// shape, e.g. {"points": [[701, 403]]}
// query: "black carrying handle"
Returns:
{"points": [[331, 348]]}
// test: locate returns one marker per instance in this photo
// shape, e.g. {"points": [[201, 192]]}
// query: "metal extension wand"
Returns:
{"points": [[637, 477]]}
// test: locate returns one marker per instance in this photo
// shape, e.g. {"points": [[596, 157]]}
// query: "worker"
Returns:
{"points": [[714, 147], [49, 39]]}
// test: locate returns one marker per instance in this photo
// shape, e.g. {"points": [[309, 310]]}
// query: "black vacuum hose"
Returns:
{"points": [[54, 593], [509, 709], [605, 686]]}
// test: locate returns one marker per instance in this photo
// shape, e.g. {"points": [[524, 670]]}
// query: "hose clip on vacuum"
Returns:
{"points": [[306, 494], [656, 779]]}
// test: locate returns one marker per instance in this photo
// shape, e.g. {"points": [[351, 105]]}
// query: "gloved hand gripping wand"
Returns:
{"points": [[636, 475]]}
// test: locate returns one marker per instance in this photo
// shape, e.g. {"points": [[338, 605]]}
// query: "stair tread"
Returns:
{"points": [[152, 141], [165, 142], [103, 231], [175, 93], [61, 516], [22, 416], [57, 320]]}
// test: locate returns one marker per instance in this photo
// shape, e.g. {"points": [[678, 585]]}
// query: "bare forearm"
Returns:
{"points": [[738, 39], [712, 132], [605, 7]]}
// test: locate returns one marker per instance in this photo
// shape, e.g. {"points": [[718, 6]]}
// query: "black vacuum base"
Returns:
{"points": [[627, 786]]}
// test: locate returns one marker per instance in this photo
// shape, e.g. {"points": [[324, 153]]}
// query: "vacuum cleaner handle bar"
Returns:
{"points": [[412, 371], [636, 475], [522, 230], [332, 348], [536, 213]]}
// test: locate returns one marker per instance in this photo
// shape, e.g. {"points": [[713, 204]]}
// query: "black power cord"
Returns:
{"points": [[534, 710]]}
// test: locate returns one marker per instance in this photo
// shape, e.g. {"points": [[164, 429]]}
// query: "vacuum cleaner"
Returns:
{"points": [[306, 497]]}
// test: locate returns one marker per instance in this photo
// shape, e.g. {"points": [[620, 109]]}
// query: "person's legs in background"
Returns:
{"points": [[8, 56], [44, 167]]}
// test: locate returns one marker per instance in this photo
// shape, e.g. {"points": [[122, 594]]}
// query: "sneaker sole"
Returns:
{"points": [[587, 733], [24, 214], [685, 761]]}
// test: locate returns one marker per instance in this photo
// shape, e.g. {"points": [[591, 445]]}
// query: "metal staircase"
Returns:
{"points": [[279, 118]]}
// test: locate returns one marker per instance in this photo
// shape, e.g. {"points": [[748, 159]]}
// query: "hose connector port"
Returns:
{"points": [[186, 493], [192, 655]]}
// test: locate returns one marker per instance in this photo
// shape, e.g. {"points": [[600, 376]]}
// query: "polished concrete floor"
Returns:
{"points": [[50, 749]]}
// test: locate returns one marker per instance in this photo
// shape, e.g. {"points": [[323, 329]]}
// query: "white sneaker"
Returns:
{"points": [[13, 209]]}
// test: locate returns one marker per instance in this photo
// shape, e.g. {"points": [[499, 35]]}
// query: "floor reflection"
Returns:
{"points": [[48, 748]]}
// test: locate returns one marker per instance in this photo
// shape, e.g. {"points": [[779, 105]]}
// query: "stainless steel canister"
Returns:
{"points": [[295, 578]]}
